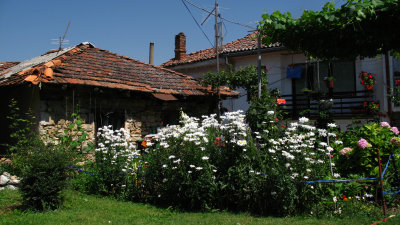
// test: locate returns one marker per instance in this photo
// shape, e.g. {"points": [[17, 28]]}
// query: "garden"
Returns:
{"points": [[253, 167], [255, 162]]}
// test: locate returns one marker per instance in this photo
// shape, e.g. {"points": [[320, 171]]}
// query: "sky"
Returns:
{"points": [[126, 27]]}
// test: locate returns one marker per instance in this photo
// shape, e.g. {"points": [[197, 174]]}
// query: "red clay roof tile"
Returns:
{"points": [[89, 65], [247, 43]]}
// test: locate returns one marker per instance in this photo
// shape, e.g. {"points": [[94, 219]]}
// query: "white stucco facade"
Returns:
{"points": [[277, 63]]}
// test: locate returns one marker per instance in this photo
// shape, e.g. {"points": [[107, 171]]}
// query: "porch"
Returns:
{"points": [[342, 105]]}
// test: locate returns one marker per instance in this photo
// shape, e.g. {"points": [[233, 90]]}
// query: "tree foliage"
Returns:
{"points": [[357, 28]]}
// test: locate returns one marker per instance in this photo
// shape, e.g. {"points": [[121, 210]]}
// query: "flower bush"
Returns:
{"points": [[395, 91], [367, 79], [358, 153], [116, 163], [203, 164], [198, 164], [371, 106], [302, 154]]}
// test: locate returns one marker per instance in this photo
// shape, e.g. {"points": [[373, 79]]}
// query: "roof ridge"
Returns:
{"points": [[85, 64], [245, 43], [144, 63]]}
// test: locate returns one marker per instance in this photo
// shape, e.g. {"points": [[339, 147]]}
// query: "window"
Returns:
{"points": [[115, 119], [342, 71]]}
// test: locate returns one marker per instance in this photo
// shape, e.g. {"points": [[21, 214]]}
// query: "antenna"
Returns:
{"points": [[66, 30], [61, 40]]}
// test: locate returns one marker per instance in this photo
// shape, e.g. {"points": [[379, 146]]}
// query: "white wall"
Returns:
{"points": [[376, 66], [277, 63]]}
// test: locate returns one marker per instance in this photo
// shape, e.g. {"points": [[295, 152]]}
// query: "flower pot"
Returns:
{"points": [[331, 83], [369, 87]]}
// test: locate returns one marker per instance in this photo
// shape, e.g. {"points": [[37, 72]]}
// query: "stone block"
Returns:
{"points": [[6, 174], [14, 182], [11, 187], [4, 180]]}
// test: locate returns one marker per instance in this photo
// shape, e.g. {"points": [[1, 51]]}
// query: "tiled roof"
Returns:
{"points": [[6, 65], [85, 64], [247, 43]]}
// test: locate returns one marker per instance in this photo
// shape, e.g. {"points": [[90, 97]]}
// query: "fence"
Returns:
{"points": [[345, 104]]}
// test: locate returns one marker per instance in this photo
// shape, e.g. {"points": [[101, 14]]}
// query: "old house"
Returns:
{"points": [[110, 89], [293, 73]]}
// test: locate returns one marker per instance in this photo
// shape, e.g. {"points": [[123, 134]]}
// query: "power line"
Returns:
{"points": [[211, 12], [197, 22]]}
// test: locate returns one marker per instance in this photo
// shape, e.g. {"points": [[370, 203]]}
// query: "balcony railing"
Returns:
{"points": [[345, 104]]}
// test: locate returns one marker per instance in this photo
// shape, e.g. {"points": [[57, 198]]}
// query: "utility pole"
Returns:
{"points": [[259, 62], [217, 56]]}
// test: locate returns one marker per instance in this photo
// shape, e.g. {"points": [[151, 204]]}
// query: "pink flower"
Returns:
{"points": [[345, 151], [363, 143], [396, 141], [395, 130], [385, 124]]}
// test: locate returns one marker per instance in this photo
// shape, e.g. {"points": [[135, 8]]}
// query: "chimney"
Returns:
{"points": [[180, 46], [151, 53]]}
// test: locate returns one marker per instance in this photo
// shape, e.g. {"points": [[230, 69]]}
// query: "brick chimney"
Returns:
{"points": [[180, 46]]}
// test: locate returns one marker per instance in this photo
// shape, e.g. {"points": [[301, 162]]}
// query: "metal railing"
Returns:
{"points": [[345, 104]]}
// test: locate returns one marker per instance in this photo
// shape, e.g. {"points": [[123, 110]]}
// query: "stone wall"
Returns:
{"points": [[139, 113]]}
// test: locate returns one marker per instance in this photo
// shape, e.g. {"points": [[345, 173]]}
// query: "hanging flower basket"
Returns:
{"points": [[369, 87], [367, 79], [331, 83]]}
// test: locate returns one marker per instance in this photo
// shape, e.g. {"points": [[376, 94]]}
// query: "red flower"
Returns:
{"points": [[218, 141], [280, 101], [276, 119]]}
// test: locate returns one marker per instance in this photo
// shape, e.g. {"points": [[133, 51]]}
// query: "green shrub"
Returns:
{"points": [[353, 159], [44, 176], [43, 168]]}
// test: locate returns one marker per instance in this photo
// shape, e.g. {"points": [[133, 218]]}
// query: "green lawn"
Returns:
{"points": [[85, 209]]}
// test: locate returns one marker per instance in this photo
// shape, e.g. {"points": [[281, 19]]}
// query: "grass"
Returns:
{"points": [[86, 209]]}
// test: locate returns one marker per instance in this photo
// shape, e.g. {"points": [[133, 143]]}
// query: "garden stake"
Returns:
{"points": [[380, 177], [330, 158], [395, 169]]}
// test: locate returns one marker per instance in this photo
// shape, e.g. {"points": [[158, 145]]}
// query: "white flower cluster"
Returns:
{"points": [[194, 130], [302, 148], [115, 145]]}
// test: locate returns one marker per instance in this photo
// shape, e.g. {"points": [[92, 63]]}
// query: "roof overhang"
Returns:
{"points": [[164, 97]]}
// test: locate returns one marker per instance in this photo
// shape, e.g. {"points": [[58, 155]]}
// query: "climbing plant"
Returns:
{"points": [[357, 28], [246, 78]]}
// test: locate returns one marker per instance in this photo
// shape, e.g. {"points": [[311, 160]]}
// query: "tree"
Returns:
{"points": [[358, 28]]}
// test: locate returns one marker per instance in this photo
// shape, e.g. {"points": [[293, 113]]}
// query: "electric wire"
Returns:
{"points": [[211, 12], [197, 23]]}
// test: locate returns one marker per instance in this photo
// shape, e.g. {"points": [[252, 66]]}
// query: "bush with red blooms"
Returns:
{"points": [[367, 79]]}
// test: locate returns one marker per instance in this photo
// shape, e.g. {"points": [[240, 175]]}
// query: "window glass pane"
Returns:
{"points": [[343, 72], [323, 72], [302, 81]]}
